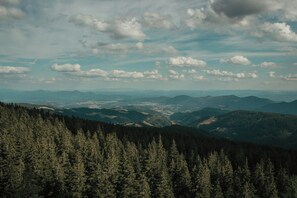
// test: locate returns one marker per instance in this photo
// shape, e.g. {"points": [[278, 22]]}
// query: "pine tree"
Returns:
{"points": [[127, 186], [243, 186], [180, 175], [216, 191], [201, 181], [143, 187], [270, 184], [75, 177]]}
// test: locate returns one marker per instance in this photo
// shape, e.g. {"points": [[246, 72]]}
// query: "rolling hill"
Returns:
{"points": [[119, 116], [189, 118], [282, 107], [258, 127]]}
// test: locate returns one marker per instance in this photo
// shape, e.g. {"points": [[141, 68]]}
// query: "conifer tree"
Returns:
{"points": [[201, 181]]}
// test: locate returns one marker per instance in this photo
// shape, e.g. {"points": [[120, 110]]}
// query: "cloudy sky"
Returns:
{"points": [[141, 44]]}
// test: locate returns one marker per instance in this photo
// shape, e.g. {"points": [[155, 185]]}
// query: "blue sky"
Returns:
{"points": [[164, 44]]}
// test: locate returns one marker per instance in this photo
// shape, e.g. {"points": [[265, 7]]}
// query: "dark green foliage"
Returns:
{"points": [[43, 155], [250, 126]]}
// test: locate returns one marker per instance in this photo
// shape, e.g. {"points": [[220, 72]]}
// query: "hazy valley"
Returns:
{"points": [[250, 119]]}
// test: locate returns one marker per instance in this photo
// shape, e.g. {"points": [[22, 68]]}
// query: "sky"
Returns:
{"points": [[142, 44]]}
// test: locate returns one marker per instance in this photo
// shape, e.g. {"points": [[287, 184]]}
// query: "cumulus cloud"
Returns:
{"points": [[117, 29], [174, 75], [217, 15], [198, 77], [74, 70], [271, 74], [190, 71], [231, 75], [243, 16], [170, 50], [121, 74], [182, 61], [139, 45], [290, 77], [201, 17], [154, 74], [156, 20], [92, 73], [288, 10], [13, 70], [252, 75], [268, 64], [217, 72], [125, 74], [236, 60], [66, 67], [193, 74], [239, 8], [281, 32], [9, 9]]}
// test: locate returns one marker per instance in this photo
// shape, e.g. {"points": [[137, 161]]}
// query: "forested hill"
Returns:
{"points": [[42, 154]]}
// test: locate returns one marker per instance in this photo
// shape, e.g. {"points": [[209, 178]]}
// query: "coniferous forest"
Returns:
{"points": [[47, 155]]}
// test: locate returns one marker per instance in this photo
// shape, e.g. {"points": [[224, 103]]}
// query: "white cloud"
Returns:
{"points": [[139, 45], [66, 67], [288, 10], [125, 74], [6, 12], [170, 50], [268, 64], [49, 80], [90, 22], [271, 74], [252, 75], [13, 70], [174, 75], [281, 32], [202, 16], [237, 60], [198, 77], [295, 64], [9, 9], [154, 74], [118, 28], [119, 48], [129, 28], [228, 74], [290, 77], [156, 20], [182, 61], [74, 70], [158, 64], [92, 73], [190, 71]]}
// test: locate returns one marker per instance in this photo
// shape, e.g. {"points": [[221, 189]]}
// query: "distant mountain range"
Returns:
{"points": [[250, 119], [180, 103], [282, 107], [229, 102]]}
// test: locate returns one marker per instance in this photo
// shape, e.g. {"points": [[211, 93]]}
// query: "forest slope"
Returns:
{"points": [[54, 156]]}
